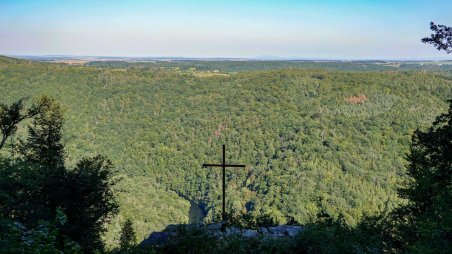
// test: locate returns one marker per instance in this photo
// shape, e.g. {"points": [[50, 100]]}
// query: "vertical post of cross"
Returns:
{"points": [[223, 165], [223, 215]]}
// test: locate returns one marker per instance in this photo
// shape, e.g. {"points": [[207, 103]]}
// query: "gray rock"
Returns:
{"points": [[278, 230], [292, 231], [215, 230], [232, 231], [249, 233], [264, 230]]}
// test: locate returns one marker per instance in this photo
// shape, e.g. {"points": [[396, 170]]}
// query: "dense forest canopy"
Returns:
{"points": [[315, 140], [250, 65]]}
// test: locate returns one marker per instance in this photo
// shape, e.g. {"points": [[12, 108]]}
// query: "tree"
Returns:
{"points": [[44, 145], [89, 201], [38, 184], [30, 182], [11, 116], [425, 223], [127, 240], [42, 163], [441, 38]]}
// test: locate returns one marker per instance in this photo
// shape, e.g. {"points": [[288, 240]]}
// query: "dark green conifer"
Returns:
{"points": [[128, 239], [44, 143]]}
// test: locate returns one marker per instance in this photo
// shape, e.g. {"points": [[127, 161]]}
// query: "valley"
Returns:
{"points": [[318, 138]]}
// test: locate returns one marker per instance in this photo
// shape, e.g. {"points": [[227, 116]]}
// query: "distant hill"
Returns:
{"points": [[6, 59]]}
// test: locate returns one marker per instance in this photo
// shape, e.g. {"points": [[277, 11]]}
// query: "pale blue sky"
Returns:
{"points": [[340, 29]]}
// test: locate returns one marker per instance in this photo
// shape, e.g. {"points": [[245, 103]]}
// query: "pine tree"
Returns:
{"points": [[44, 143], [128, 239]]}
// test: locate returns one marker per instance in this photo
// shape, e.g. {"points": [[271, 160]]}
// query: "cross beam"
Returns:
{"points": [[224, 165]]}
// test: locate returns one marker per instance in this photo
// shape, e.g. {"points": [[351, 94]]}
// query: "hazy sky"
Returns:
{"points": [[377, 29]]}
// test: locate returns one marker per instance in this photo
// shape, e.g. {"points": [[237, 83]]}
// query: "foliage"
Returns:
{"points": [[37, 184], [335, 236], [421, 226], [307, 149], [327, 141], [128, 239], [12, 115], [44, 145], [89, 201], [31, 193], [441, 38], [424, 225], [46, 237], [247, 220], [221, 68]]}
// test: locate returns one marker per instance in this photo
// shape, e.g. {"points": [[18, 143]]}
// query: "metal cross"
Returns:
{"points": [[224, 165]]}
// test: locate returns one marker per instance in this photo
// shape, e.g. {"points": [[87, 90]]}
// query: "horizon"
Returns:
{"points": [[254, 58], [284, 30]]}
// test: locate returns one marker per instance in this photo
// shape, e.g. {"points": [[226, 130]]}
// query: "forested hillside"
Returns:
{"points": [[315, 141]]}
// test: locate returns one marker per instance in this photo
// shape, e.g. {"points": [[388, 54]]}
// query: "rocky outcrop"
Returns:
{"points": [[221, 230]]}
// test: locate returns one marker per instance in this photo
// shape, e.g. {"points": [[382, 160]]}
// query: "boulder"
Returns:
{"points": [[278, 230], [292, 231], [264, 230], [232, 231], [249, 233]]}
